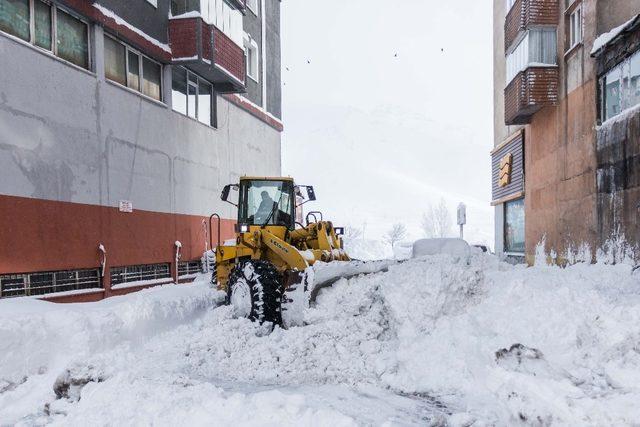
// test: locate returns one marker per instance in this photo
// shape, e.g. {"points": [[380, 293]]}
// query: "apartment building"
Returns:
{"points": [[565, 165], [120, 122]]}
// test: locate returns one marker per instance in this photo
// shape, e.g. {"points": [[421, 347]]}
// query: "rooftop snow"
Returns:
{"points": [[606, 38]]}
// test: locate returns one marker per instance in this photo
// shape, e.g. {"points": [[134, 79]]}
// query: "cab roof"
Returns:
{"points": [[266, 178]]}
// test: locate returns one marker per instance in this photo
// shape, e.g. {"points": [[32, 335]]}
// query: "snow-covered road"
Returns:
{"points": [[431, 341]]}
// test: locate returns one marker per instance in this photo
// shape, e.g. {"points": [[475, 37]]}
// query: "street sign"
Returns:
{"points": [[462, 214], [126, 206]]}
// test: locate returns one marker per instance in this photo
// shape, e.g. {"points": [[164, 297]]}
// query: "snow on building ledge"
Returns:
{"points": [[606, 39]]}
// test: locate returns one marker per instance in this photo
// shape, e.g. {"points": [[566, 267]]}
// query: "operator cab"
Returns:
{"points": [[268, 201]]}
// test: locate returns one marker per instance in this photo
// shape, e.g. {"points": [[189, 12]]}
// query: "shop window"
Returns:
{"points": [[129, 68], [514, 227], [47, 27], [193, 96], [620, 87]]}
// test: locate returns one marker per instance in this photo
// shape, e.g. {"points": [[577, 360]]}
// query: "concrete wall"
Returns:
{"points": [[271, 68], [253, 26], [68, 135], [274, 61], [612, 13]]}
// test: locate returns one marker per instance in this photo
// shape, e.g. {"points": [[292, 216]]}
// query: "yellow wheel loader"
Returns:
{"points": [[272, 250]]}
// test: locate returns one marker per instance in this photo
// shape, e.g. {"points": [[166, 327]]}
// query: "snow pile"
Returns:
{"points": [[606, 38], [367, 250], [38, 339], [433, 340], [456, 248]]}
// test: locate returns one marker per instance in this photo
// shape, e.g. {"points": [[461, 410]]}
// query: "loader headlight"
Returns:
{"points": [[244, 228]]}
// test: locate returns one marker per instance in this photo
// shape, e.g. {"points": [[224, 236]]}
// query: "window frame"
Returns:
{"points": [[572, 29], [213, 108], [54, 33], [505, 245], [624, 88], [128, 49], [251, 44]]}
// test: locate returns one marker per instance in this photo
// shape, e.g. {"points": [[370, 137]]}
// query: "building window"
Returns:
{"points": [[47, 27], [575, 27], [620, 87], [189, 268], [253, 6], [15, 18], [129, 68], [251, 50], [140, 273], [193, 96], [539, 47], [514, 227], [43, 283]]}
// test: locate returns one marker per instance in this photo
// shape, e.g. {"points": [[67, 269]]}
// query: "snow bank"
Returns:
{"points": [[367, 250], [433, 340], [38, 339], [457, 248]]}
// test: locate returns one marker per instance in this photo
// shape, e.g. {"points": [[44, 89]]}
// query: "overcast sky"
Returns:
{"points": [[388, 108]]}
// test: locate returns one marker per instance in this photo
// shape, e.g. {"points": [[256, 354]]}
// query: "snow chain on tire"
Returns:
{"points": [[214, 275], [265, 284]]}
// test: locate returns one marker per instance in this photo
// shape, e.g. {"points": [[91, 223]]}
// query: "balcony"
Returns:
{"points": [[531, 90], [206, 37], [525, 14]]}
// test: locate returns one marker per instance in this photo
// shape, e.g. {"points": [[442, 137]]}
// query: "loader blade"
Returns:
{"points": [[326, 274]]}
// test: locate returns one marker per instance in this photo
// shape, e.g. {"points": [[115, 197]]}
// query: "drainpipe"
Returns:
{"points": [[178, 255], [106, 281]]}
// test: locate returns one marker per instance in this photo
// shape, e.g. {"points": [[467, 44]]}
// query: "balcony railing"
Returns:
{"points": [[529, 92], [208, 51], [525, 14]]}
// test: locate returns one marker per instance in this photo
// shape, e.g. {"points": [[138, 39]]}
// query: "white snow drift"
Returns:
{"points": [[433, 340]]}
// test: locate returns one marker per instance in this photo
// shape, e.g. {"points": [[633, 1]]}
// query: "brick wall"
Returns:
{"points": [[229, 55], [183, 37]]}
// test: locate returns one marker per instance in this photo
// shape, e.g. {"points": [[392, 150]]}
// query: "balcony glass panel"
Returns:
{"points": [[538, 47]]}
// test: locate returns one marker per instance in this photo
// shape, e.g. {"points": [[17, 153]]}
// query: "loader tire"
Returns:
{"points": [[255, 291], [214, 275]]}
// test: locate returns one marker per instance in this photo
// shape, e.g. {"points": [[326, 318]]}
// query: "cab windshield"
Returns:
{"points": [[266, 203]]}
